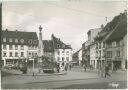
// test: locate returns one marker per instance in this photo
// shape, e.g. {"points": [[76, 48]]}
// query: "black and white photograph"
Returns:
{"points": [[63, 44]]}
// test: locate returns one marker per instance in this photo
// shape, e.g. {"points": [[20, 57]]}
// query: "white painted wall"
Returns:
{"points": [[25, 50], [65, 54], [93, 60]]}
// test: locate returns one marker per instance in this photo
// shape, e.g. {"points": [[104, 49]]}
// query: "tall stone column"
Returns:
{"points": [[40, 48]]}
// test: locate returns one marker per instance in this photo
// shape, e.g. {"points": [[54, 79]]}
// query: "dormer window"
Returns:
{"points": [[30, 41], [63, 46], [10, 39], [58, 45], [22, 40], [4, 39], [16, 40], [35, 41], [22, 47]]}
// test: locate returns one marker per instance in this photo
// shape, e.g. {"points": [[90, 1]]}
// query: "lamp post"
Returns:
{"points": [[33, 65]]}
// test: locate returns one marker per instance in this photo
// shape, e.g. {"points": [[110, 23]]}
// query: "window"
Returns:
{"points": [[16, 54], [10, 54], [117, 43], [22, 54], [96, 54], [30, 41], [10, 47], [62, 58], [16, 40], [10, 39], [103, 44], [32, 54], [22, 47], [35, 54], [16, 47], [58, 58], [109, 54], [100, 53], [35, 41], [67, 58], [4, 54], [99, 45], [63, 51], [103, 53], [22, 40], [4, 39], [113, 44], [29, 54], [96, 45], [118, 53], [58, 45], [58, 52], [4, 47], [67, 52], [109, 45], [63, 46]]}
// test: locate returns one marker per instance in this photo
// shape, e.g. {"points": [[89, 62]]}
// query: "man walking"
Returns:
{"points": [[84, 67], [106, 71]]}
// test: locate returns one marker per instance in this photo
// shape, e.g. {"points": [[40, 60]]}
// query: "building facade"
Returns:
{"points": [[92, 33], [55, 50], [18, 46], [80, 57], [116, 43], [62, 52], [86, 54]]}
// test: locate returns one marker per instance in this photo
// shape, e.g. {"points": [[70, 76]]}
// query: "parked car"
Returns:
{"points": [[16, 67], [9, 66]]}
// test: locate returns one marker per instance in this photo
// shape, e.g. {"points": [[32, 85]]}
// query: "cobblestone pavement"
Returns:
{"points": [[75, 76]]}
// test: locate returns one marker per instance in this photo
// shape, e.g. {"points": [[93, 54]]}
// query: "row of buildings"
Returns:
{"points": [[19, 46], [106, 45]]}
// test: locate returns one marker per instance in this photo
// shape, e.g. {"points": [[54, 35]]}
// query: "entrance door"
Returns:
{"points": [[117, 64]]}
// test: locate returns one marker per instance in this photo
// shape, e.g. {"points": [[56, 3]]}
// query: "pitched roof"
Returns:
{"points": [[30, 38], [48, 46], [119, 32], [110, 26], [58, 44]]}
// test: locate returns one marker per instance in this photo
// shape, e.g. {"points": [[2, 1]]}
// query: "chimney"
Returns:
{"points": [[102, 26], [52, 36], [16, 30], [6, 29], [125, 12]]}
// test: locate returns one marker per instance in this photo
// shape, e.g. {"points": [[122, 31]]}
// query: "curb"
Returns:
{"points": [[38, 74], [62, 80]]}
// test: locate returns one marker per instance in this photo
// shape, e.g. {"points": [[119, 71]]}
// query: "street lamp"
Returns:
{"points": [[33, 65]]}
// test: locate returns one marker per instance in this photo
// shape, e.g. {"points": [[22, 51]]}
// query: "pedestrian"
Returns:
{"points": [[106, 71], [66, 68], [58, 68], [70, 66], [85, 67], [114, 68]]}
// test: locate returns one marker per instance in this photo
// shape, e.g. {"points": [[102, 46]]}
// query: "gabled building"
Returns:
{"points": [[62, 51], [18, 46], [102, 42], [116, 44], [55, 49]]}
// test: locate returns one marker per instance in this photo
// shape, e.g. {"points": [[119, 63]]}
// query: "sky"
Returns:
{"points": [[67, 20]]}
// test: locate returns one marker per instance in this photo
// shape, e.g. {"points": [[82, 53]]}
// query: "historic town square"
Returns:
{"points": [[68, 44]]}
